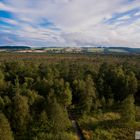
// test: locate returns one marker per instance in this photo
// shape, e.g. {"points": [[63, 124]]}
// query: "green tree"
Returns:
{"points": [[1, 75], [104, 81], [5, 129], [84, 94], [3, 84], [90, 94], [128, 110], [67, 96], [131, 83], [62, 92], [41, 127], [20, 115], [1, 103], [58, 118], [79, 95]]}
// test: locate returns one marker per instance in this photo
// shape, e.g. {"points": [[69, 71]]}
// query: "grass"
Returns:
{"points": [[70, 136], [107, 126]]}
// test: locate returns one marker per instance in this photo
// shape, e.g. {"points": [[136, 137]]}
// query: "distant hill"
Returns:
{"points": [[109, 50], [98, 50], [15, 47], [126, 49]]}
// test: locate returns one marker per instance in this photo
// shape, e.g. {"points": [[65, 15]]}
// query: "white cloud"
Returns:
{"points": [[126, 17], [80, 21], [9, 21], [137, 14]]}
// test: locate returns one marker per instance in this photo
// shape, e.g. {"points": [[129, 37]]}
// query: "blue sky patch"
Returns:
{"points": [[46, 23], [5, 23], [128, 17], [5, 14]]}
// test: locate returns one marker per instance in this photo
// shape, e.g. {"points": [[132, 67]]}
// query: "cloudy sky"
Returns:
{"points": [[41, 23]]}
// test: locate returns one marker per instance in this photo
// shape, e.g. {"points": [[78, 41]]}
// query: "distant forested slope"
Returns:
{"points": [[14, 47]]}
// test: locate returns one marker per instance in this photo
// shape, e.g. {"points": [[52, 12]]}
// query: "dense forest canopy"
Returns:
{"points": [[37, 94]]}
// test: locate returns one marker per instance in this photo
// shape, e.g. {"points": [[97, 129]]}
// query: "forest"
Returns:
{"points": [[40, 95]]}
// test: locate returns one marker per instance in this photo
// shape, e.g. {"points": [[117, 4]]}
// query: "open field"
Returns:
{"points": [[95, 50], [118, 50]]}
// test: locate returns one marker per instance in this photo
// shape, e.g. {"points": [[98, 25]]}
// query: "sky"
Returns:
{"points": [[44, 23]]}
